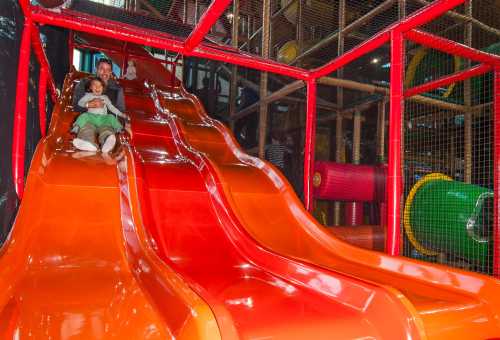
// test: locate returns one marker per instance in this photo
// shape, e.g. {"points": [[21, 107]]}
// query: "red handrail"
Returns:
{"points": [[394, 178], [21, 106], [309, 143]]}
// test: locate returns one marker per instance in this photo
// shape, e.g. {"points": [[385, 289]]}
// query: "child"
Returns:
{"points": [[131, 73], [97, 121]]}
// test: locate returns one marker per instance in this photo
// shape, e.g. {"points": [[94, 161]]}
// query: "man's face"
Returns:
{"points": [[104, 71]]}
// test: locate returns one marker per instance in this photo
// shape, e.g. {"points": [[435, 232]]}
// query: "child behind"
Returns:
{"points": [[131, 73], [96, 122]]}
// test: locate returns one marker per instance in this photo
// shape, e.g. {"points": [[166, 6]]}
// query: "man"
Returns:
{"points": [[113, 90], [86, 136]]}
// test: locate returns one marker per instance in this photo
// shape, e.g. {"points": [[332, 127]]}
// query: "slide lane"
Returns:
{"points": [[253, 292], [78, 263]]}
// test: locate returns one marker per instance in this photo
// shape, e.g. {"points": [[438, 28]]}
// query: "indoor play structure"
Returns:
{"points": [[179, 233]]}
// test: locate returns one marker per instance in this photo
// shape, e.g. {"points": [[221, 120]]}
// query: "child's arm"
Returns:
{"points": [[78, 93], [85, 99], [113, 109]]}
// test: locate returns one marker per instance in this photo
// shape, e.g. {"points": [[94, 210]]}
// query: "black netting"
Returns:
{"points": [[11, 26], [448, 164]]}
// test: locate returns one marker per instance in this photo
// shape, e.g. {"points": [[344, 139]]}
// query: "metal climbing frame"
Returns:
{"points": [[194, 44]]}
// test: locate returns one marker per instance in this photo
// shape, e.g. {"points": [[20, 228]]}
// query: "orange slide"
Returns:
{"points": [[182, 235], [446, 303]]}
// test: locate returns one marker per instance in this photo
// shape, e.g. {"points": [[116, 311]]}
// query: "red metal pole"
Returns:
{"points": [[25, 6], [250, 61], [42, 60], [117, 51], [446, 80], [19, 131], [394, 179], [208, 19], [86, 23], [496, 174], [103, 27], [451, 47], [418, 18], [42, 104], [71, 48], [309, 143], [428, 13]]}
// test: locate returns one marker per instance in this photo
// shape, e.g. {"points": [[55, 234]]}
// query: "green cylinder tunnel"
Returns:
{"points": [[451, 217]]}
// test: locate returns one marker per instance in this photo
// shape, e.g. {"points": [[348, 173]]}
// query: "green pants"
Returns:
{"points": [[98, 121]]}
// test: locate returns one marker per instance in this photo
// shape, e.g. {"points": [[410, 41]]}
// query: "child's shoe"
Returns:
{"points": [[84, 145], [109, 144]]}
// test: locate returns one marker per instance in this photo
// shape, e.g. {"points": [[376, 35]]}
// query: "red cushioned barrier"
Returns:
{"points": [[348, 182]]}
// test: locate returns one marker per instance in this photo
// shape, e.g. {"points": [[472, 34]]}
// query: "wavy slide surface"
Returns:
{"points": [[250, 198], [181, 235]]}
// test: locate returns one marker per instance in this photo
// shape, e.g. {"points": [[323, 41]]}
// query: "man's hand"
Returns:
{"points": [[95, 103]]}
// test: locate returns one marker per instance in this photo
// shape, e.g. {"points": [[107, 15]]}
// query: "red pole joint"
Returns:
{"points": [[394, 178], [359, 51], [209, 18], [19, 131], [496, 170], [309, 143]]}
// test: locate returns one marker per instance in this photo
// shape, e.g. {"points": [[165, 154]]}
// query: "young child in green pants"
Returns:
{"points": [[96, 123]]}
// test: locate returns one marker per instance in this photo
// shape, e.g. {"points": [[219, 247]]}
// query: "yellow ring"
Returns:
{"points": [[417, 59], [406, 213]]}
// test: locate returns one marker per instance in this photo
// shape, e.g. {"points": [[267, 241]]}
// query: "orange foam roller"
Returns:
{"points": [[364, 236]]}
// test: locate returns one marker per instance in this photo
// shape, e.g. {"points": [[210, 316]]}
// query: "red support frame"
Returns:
{"points": [[446, 80], [106, 28], [242, 59], [496, 170], [102, 27], [394, 176], [117, 51], [129, 55], [420, 17], [451, 47], [194, 47], [309, 143], [208, 19], [20, 111], [359, 51]]}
